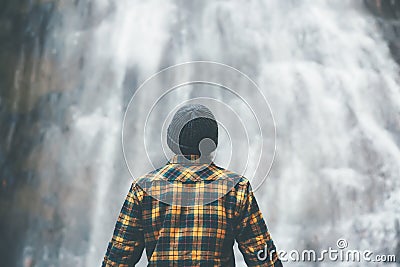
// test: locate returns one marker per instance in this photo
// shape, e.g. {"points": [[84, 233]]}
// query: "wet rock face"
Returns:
{"points": [[23, 27], [388, 18], [36, 96], [388, 9]]}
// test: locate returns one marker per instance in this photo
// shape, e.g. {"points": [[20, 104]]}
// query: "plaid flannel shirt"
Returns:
{"points": [[190, 235]]}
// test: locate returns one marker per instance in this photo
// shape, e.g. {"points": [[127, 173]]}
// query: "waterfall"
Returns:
{"points": [[324, 67]]}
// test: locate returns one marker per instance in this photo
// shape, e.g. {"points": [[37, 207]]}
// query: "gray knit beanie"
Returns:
{"points": [[193, 131]]}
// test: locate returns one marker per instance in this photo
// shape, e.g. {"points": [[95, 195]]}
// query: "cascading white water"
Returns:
{"points": [[325, 69]]}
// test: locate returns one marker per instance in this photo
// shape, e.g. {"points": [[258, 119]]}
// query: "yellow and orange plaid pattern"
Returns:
{"points": [[190, 235]]}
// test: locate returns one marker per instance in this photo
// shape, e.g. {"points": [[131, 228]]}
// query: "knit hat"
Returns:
{"points": [[193, 131]]}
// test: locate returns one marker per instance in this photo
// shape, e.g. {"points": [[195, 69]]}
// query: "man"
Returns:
{"points": [[190, 212]]}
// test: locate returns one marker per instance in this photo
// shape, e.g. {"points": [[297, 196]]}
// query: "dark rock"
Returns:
{"points": [[23, 28], [387, 13], [388, 9]]}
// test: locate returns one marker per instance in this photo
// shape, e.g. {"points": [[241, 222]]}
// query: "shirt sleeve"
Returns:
{"points": [[127, 244], [253, 237]]}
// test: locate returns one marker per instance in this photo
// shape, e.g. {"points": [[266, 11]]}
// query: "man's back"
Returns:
{"points": [[190, 214]]}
